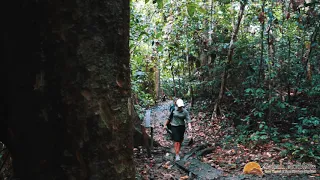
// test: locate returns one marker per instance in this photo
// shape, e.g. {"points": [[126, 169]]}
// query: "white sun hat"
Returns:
{"points": [[180, 103]]}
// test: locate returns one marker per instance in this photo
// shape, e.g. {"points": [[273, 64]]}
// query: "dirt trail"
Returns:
{"points": [[161, 164], [159, 114], [229, 159]]}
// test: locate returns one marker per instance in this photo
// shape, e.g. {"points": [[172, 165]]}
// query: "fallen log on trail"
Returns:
{"points": [[199, 169], [192, 165], [205, 151], [194, 150]]}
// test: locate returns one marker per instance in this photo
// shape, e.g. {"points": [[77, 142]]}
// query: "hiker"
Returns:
{"points": [[167, 126], [177, 121], [164, 97], [172, 106]]}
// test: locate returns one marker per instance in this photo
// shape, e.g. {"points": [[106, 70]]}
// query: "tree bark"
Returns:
{"points": [[313, 39], [67, 103], [157, 78], [289, 71], [271, 53], [261, 68], [157, 75], [173, 80], [180, 90], [229, 61]]}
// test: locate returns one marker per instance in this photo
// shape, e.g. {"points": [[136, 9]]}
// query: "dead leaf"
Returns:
{"points": [[167, 165], [86, 94], [184, 177], [187, 164], [167, 176], [268, 154]]}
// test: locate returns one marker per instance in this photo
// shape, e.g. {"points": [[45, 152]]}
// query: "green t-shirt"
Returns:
{"points": [[179, 118]]}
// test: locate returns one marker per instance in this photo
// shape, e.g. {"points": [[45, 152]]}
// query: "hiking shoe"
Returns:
{"points": [[177, 158]]}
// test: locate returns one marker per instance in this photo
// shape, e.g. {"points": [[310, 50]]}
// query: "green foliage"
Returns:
{"points": [[269, 95], [160, 4], [191, 7], [303, 148]]}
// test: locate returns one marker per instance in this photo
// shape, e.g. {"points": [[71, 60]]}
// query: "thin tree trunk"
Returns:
{"points": [[210, 57], [189, 73], [289, 56], [190, 86], [189, 63], [271, 50], [217, 111], [289, 69], [261, 68], [313, 39], [300, 75], [204, 58], [157, 77], [173, 80], [209, 33], [180, 91]]}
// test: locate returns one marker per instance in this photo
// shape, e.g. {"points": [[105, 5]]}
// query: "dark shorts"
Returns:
{"points": [[178, 133]]}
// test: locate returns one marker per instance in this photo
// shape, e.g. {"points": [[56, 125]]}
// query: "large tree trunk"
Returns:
{"points": [[66, 111], [230, 56]]}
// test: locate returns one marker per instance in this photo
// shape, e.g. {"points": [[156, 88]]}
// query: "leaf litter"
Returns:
{"points": [[229, 157]]}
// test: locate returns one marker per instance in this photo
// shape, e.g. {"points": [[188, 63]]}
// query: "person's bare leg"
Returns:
{"points": [[176, 147]]}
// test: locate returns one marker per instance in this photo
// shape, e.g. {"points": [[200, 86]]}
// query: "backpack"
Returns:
{"points": [[171, 108], [170, 118]]}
